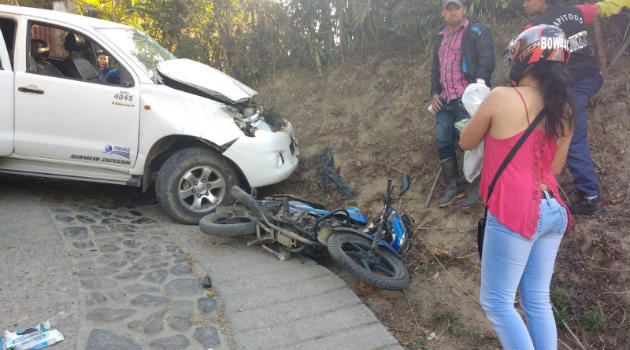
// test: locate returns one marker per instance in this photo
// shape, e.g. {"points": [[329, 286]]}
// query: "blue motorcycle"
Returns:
{"points": [[286, 224]]}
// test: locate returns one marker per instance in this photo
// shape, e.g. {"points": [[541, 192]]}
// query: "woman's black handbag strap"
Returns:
{"points": [[510, 155]]}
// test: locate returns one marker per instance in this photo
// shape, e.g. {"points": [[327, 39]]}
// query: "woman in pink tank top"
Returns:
{"points": [[526, 217]]}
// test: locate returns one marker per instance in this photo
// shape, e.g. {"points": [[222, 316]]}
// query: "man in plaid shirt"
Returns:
{"points": [[463, 53]]}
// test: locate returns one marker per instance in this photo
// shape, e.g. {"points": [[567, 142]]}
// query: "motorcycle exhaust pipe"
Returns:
{"points": [[247, 201]]}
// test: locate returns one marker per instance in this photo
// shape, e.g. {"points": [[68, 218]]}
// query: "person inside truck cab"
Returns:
{"points": [[38, 59], [103, 62]]}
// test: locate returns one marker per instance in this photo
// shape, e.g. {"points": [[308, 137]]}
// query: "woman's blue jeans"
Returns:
{"points": [[511, 261]]}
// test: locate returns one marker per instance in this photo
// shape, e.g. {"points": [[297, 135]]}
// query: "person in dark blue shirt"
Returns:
{"points": [[113, 76], [103, 62]]}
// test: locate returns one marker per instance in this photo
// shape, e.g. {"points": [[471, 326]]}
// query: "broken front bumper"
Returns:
{"points": [[267, 158]]}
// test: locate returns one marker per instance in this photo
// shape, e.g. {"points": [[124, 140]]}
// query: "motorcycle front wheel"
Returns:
{"points": [[380, 268]]}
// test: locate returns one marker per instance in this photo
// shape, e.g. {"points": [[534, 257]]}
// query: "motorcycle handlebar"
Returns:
{"points": [[388, 195]]}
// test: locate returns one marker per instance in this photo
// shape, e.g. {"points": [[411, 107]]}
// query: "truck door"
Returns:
{"points": [[6, 107], [66, 111]]}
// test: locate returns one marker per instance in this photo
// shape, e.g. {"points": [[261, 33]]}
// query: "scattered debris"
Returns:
{"points": [[328, 173], [207, 282], [36, 337]]}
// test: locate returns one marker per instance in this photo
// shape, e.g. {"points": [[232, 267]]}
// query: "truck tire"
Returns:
{"points": [[192, 182]]}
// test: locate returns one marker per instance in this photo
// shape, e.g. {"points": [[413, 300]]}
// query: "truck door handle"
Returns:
{"points": [[35, 91]]}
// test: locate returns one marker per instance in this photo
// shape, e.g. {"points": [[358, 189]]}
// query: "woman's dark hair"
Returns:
{"points": [[555, 81]]}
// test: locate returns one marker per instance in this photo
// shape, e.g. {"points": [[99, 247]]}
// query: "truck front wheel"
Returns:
{"points": [[192, 182]]}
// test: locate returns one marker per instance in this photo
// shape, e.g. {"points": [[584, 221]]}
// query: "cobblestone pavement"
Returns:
{"points": [[111, 271], [128, 286]]}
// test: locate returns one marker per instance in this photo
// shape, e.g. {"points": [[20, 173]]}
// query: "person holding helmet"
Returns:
{"points": [[463, 53], [586, 80], [526, 218]]}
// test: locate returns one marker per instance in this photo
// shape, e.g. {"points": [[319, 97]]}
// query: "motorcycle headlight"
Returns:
{"points": [[398, 230]]}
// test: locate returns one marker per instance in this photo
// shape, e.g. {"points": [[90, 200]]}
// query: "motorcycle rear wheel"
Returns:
{"points": [[227, 223], [382, 269]]}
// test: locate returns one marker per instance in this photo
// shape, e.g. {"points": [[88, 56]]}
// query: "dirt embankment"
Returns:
{"points": [[372, 112]]}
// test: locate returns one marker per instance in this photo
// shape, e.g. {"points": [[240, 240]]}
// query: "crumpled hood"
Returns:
{"points": [[206, 79]]}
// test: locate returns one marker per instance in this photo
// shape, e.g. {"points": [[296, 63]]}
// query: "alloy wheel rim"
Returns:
{"points": [[201, 189]]}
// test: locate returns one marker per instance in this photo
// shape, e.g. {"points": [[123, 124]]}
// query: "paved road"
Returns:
{"points": [[111, 271]]}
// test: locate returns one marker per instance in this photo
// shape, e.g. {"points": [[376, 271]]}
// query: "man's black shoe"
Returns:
{"points": [[586, 207]]}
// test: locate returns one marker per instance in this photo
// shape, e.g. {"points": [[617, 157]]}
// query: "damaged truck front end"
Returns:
{"points": [[266, 150]]}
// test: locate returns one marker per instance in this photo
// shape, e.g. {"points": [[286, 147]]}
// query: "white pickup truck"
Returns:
{"points": [[92, 100]]}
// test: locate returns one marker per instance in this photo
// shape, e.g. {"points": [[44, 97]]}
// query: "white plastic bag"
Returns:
{"points": [[474, 94], [473, 159]]}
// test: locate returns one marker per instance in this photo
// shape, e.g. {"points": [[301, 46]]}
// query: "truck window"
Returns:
{"points": [[64, 53], [7, 26], [111, 69]]}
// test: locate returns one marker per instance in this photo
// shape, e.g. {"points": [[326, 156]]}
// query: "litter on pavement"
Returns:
{"points": [[36, 337]]}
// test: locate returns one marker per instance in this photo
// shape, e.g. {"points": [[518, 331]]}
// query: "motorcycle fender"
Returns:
{"points": [[384, 243]]}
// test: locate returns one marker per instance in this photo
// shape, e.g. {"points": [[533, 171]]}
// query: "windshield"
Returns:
{"points": [[140, 48]]}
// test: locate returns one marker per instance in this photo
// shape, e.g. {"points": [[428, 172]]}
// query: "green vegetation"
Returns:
{"points": [[446, 319], [420, 343], [445, 260], [253, 38], [558, 296], [593, 321], [44, 4], [561, 307]]}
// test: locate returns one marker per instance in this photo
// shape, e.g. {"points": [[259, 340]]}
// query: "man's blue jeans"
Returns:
{"points": [[445, 135], [511, 261], [579, 157]]}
